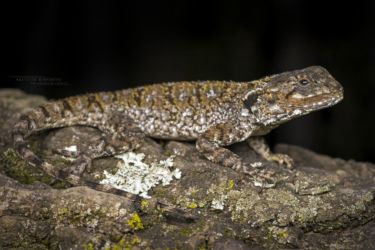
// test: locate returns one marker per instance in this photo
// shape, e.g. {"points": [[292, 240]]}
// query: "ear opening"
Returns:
{"points": [[250, 100]]}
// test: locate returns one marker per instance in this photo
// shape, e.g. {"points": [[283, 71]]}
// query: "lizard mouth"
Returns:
{"points": [[306, 101], [298, 108], [312, 104], [323, 101]]}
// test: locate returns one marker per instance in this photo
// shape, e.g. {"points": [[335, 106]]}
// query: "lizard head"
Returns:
{"points": [[281, 97]]}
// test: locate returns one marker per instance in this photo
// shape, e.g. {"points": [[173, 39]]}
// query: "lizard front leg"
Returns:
{"points": [[259, 145], [211, 142]]}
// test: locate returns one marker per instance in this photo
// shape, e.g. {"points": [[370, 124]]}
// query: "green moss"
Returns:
{"points": [[18, 169], [135, 222]]}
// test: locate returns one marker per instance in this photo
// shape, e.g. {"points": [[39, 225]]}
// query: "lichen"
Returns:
{"points": [[219, 202], [191, 198], [72, 148], [281, 235], [79, 214], [218, 194], [137, 177], [135, 222]]}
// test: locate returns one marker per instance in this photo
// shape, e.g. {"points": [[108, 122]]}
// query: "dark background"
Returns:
{"points": [[61, 48]]}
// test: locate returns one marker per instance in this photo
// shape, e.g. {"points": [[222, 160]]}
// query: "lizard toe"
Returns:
{"points": [[283, 159]]}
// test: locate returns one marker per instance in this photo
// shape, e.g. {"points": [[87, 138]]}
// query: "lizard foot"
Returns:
{"points": [[82, 163], [282, 159]]}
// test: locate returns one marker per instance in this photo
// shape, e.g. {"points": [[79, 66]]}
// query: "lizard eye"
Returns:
{"points": [[304, 82]]}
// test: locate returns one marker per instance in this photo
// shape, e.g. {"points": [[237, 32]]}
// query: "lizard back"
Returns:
{"points": [[176, 110], [182, 110]]}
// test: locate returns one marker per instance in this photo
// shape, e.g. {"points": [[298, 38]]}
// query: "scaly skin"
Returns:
{"points": [[214, 113]]}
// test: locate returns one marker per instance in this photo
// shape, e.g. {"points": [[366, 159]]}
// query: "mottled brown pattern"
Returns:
{"points": [[94, 103], [44, 111], [214, 113]]}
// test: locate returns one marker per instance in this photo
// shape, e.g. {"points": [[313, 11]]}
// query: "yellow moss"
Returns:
{"points": [[89, 246], [144, 204], [63, 211], [135, 240], [186, 231], [283, 234], [230, 184], [124, 244], [135, 222], [121, 245], [193, 205]]}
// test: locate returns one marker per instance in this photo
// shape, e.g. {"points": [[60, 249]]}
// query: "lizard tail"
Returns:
{"points": [[23, 130], [54, 115], [50, 115]]}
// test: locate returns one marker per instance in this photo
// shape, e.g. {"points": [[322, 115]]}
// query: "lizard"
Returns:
{"points": [[215, 114]]}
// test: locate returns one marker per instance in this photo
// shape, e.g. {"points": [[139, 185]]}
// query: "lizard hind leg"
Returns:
{"points": [[105, 147], [120, 135]]}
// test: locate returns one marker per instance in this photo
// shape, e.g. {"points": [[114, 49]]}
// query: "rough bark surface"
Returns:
{"points": [[324, 203]]}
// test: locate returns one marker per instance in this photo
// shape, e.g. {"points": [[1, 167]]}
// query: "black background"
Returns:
{"points": [[62, 48]]}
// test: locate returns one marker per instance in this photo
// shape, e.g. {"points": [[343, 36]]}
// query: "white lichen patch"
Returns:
{"points": [[137, 177], [72, 148], [263, 184], [256, 164], [219, 202]]}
